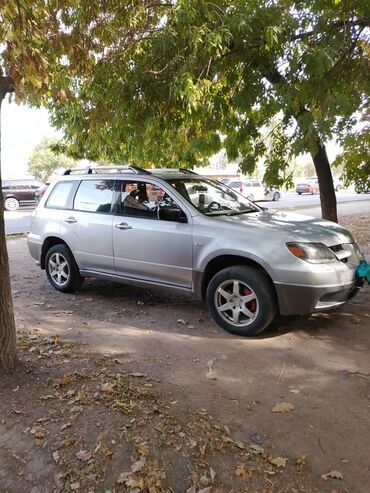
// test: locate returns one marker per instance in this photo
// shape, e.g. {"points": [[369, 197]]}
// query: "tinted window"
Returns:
{"points": [[94, 196], [59, 195], [139, 199]]}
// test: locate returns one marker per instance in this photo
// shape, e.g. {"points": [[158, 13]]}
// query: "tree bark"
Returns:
{"points": [[327, 193], [8, 352]]}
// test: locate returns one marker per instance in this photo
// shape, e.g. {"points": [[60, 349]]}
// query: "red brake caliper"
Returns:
{"points": [[251, 305]]}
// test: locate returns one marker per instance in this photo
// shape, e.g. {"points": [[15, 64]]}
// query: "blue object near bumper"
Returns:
{"points": [[363, 271]]}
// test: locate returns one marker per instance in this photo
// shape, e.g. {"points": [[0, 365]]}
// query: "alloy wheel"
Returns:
{"points": [[59, 269], [236, 303]]}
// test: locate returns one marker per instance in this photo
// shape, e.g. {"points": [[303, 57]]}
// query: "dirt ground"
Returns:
{"points": [[123, 389]]}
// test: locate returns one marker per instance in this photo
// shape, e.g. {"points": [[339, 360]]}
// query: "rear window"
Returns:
{"points": [[59, 195], [94, 196], [235, 184]]}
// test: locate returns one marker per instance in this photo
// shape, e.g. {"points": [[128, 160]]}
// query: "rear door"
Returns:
{"points": [[87, 226], [146, 247]]}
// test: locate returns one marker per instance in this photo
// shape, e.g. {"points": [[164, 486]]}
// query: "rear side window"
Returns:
{"points": [[94, 196], [59, 195]]}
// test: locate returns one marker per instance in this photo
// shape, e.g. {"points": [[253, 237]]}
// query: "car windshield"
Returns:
{"points": [[211, 197]]}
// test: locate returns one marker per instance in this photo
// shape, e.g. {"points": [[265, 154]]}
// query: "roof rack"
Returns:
{"points": [[114, 169], [188, 171], [172, 170]]}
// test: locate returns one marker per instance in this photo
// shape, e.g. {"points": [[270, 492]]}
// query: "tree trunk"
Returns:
{"points": [[320, 158], [8, 353], [327, 193]]}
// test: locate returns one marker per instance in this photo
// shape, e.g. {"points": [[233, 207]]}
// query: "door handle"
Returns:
{"points": [[71, 220], [123, 226]]}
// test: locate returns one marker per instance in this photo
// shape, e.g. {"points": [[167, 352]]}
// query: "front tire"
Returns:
{"points": [[276, 196], [62, 270], [241, 300], [11, 204]]}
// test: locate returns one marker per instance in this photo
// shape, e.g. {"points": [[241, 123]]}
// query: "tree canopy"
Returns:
{"points": [[172, 82], [45, 160]]}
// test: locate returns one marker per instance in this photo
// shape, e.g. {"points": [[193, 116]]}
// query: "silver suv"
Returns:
{"points": [[176, 229]]}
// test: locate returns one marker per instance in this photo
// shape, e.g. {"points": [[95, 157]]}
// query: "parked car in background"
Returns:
{"points": [[254, 190], [20, 192], [199, 237], [362, 188], [40, 192], [310, 185]]}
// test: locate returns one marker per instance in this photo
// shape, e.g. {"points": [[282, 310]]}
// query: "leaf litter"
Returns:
{"points": [[106, 429]]}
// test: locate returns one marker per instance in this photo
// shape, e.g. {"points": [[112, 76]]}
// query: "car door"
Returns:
{"points": [[146, 247], [87, 226]]}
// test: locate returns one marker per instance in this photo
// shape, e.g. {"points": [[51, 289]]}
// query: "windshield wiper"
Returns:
{"points": [[237, 213]]}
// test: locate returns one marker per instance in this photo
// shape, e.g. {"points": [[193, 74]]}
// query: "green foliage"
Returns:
{"points": [[44, 160], [170, 83], [356, 158]]}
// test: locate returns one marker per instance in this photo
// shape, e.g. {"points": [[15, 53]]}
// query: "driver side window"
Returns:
{"points": [[140, 199]]}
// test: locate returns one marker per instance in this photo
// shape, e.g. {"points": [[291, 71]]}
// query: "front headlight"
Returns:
{"points": [[314, 253]]}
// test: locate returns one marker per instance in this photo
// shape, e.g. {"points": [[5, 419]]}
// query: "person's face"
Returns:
{"points": [[130, 187]]}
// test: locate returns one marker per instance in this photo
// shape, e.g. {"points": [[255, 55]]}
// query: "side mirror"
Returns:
{"points": [[173, 214]]}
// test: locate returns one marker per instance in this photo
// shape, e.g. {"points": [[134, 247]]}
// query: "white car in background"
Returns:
{"points": [[254, 190]]}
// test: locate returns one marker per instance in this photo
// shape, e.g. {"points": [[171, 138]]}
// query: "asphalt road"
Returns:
{"points": [[348, 203]]}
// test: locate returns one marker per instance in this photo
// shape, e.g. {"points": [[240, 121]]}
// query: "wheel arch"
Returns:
{"points": [[48, 243], [228, 260]]}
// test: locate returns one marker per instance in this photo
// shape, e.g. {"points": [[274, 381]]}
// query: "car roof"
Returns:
{"points": [[119, 172]]}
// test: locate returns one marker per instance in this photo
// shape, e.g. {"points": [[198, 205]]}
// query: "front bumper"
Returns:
{"points": [[299, 300]]}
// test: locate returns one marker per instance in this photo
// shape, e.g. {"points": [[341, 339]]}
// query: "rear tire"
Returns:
{"points": [[11, 204], [276, 196], [241, 300], [62, 270]]}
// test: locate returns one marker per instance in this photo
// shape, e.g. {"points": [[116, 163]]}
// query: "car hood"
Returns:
{"points": [[293, 227]]}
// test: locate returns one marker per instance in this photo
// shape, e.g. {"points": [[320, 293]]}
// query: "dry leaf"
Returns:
{"points": [[138, 465], [283, 407], [143, 449], [74, 486], [242, 472], [56, 456], [84, 455], [333, 475], [206, 490], [192, 489], [278, 461]]}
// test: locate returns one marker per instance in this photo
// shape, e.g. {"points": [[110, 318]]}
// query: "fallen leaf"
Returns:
{"points": [[256, 449], [278, 461], [74, 486], [192, 489], [242, 472], [205, 490], [84, 455], [56, 456], [138, 465], [283, 407], [182, 321], [143, 449], [333, 475]]}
